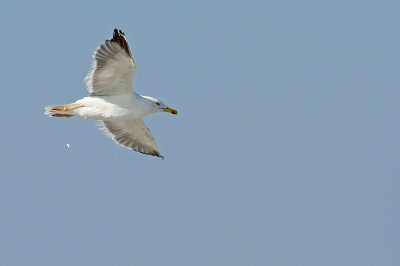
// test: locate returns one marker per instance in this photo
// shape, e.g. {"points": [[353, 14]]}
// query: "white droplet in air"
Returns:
{"points": [[68, 146]]}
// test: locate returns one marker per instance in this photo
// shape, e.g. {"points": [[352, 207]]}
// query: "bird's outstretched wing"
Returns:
{"points": [[132, 134], [113, 68]]}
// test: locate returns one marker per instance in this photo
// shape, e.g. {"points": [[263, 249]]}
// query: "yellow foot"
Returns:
{"points": [[65, 108]]}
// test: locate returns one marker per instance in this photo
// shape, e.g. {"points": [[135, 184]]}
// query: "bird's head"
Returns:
{"points": [[159, 106]]}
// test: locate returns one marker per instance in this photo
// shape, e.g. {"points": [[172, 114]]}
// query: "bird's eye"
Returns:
{"points": [[158, 103]]}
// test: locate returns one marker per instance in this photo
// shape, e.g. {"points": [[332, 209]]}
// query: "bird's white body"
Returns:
{"points": [[129, 106]]}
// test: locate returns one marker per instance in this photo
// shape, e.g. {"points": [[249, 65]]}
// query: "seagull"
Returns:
{"points": [[112, 101]]}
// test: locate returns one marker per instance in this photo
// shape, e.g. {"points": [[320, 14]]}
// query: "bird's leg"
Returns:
{"points": [[61, 115], [65, 108]]}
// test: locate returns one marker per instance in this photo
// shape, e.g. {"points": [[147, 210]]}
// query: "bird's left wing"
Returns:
{"points": [[113, 68], [133, 134]]}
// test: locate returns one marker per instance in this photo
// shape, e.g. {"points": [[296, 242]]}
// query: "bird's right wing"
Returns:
{"points": [[132, 134], [113, 68]]}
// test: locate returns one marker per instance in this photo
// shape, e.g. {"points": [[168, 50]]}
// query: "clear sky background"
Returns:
{"points": [[285, 150]]}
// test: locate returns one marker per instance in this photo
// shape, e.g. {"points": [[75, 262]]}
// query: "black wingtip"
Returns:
{"points": [[117, 33], [158, 155], [119, 37]]}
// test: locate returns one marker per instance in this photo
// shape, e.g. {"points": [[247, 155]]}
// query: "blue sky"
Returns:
{"points": [[285, 150]]}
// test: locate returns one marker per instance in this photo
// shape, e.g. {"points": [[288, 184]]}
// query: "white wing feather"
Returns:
{"points": [[133, 134], [113, 68]]}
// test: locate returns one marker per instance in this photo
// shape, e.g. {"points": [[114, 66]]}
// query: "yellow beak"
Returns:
{"points": [[170, 110]]}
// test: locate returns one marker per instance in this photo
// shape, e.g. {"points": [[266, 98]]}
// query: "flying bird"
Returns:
{"points": [[112, 101]]}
